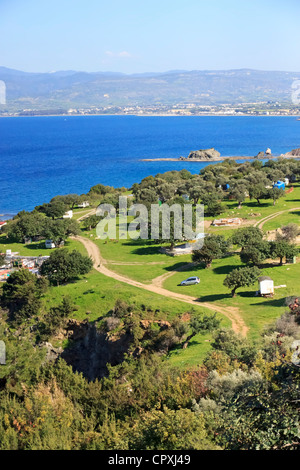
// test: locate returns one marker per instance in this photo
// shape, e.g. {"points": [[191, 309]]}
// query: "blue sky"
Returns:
{"points": [[132, 36]]}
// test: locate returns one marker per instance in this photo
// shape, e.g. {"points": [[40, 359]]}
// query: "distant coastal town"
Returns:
{"points": [[263, 108]]}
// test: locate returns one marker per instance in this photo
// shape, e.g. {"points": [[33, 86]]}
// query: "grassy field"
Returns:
{"points": [[138, 260], [255, 311], [35, 248], [282, 220], [253, 211]]}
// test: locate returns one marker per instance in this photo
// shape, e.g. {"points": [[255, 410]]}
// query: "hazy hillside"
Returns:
{"points": [[72, 89]]}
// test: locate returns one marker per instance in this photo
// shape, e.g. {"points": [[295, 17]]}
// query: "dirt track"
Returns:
{"points": [[232, 313], [262, 222]]}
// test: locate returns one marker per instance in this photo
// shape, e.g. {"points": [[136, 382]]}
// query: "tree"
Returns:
{"points": [[214, 246], [91, 221], [59, 230], [21, 294], [258, 191], [101, 189], [235, 346], [246, 236], [165, 191], [202, 324], [214, 208], [275, 194], [290, 232], [255, 253], [55, 318], [26, 225], [283, 249], [167, 226], [70, 200], [239, 192], [62, 266], [170, 430], [195, 193], [262, 417], [212, 201], [241, 277], [54, 209], [146, 195]]}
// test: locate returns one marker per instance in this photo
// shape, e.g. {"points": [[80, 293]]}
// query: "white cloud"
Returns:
{"points": [[122, 54]]}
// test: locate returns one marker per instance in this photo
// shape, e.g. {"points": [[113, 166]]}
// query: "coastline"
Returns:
{"points": [[297, 115], [199, 160]]}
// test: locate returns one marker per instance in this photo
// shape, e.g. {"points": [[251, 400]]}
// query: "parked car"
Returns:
{"points": [[190, 281]]}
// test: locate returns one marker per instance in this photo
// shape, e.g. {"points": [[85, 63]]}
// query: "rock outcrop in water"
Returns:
{"points": [[293, 153], [205, 155], [260, 155]]}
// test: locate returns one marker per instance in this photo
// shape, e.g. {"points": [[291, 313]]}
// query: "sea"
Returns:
{"points": [[41, 157]]}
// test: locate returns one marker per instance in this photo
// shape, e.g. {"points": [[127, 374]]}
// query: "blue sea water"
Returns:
{"points": [[41, 157]]}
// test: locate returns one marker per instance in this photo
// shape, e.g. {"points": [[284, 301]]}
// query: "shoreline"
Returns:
{"points": [[199, 160], [156, 115]]}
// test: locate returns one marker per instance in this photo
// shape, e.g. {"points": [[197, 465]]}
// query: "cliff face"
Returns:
{"points": [[93, 347], [205, 155], [92, 350]]}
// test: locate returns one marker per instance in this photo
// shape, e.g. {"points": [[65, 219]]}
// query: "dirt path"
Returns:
{"points": [[262, 221], [232, 313], [86, 214]]}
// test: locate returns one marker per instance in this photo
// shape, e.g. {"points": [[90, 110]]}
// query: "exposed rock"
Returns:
{"points": [[208, 154], [52, 353], [293, 153], [260, 155], [161, 323], [92, 349], [268, 152]]}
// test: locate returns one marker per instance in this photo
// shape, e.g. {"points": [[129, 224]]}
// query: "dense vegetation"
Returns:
{"points": [[144, 403], [243, 394]]}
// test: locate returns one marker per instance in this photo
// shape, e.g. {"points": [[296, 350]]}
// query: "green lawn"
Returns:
{"points": [[35, 248], [282, 220], [140, 260], [147, 262], [194, 354]]}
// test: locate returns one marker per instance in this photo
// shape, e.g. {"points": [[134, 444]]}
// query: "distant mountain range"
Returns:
{"points": [[72, 89]]}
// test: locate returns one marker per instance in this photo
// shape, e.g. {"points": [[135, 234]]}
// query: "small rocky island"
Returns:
{"points": [[212, 155], [204, 155]]}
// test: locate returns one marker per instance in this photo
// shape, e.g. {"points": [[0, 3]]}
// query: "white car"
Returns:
{"points": [[190, 281]]}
